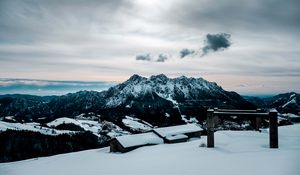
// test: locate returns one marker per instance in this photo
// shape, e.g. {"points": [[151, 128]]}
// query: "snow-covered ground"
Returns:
{"points": [[87, 125], [290, 115], [35, 127], [236, 153]]}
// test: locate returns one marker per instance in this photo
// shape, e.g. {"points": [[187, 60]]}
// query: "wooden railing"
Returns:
{"points": [[258, 114]]}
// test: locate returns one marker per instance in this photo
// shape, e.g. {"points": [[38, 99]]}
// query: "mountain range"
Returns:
{"points": [[158, 100], [136, 105]]}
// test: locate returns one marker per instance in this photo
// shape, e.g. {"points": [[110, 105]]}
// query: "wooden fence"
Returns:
{"points": [[271, 115]]}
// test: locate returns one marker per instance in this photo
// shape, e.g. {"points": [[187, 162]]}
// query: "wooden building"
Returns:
{"points": [[179, 133], [173, 134], [130, 142]]}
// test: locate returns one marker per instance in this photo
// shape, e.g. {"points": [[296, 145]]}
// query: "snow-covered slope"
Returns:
{"points": [[290, 116], [35, 127], [87, 125], [97, 128], [236, 153], [290, 102]]}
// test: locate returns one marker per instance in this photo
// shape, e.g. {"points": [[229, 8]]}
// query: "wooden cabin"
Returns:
{"points": [[173, 134], [130, 142], [179, 133]]}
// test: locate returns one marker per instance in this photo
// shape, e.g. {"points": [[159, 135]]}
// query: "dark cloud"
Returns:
{"points": [[186, 52], [213, 43], [162, 58], [216, 42], [143, 57], [148, 57]]}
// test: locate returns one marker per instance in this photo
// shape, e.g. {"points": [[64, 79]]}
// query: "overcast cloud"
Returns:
{"points": [[100, 40]]}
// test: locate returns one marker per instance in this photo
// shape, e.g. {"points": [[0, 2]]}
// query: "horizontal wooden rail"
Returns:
{"points": [[237, 110], [240, 114]]}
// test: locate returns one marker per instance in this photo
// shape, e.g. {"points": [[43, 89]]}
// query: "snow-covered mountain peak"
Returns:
{"points": [[162, 83], [136, 78], [160, 77], [169, 88]]}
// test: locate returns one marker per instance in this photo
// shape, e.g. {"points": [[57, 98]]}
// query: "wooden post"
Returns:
{"points": [[258, 120], [273, 129], [257, 123], [210, 128]]}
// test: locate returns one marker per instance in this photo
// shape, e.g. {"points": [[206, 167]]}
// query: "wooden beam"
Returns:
{"points": [[236, 110], [261, 114]]}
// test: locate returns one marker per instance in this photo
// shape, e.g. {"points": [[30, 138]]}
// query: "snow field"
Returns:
{"points": [[236, 153]]}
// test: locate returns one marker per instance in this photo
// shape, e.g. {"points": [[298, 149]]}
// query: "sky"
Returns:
{"points": [[247, 46]]}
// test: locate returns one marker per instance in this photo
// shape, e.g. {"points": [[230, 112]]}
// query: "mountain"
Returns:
{"points": [[24, 107], [259, 102], [177, 90], [162, 96], [73, 104], [158, 100], [284, 103], [288, 102]]}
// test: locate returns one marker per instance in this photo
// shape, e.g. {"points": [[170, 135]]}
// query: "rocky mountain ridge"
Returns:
{"points": [[158, 100]]}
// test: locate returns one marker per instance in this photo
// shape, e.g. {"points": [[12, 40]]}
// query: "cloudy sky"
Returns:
{"points": [[249, 46]]}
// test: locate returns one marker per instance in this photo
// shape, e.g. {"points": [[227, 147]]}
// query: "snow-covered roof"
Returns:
{"points": [[175, 137], [176, 130], [136, 124], [139, 139]]}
